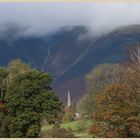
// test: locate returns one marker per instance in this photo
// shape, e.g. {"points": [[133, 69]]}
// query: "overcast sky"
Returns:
{"points": [[45, 17]]}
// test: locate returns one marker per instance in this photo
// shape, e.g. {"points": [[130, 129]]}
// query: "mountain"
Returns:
{"points": [[68, 54]]}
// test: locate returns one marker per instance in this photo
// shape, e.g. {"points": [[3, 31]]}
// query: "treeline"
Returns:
{"points": [[26, 100], [112, 100]]}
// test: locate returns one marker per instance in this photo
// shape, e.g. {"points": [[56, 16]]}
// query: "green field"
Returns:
{"points": [[78, 127]]}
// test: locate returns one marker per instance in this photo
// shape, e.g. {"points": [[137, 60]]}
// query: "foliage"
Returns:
{"points": [[86, 105], [28, 100], [57, 132], [96, 80], [3, 122], [104, 75], [82, 125], [117, 112], [113, 98], [73, 125], [69, 114]]}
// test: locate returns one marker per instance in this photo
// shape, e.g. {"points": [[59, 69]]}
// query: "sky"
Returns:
{"points": [[42, 18]]}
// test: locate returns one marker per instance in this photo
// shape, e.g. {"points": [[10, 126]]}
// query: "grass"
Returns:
{"points": [[71, 125], [75, 126], [83, 135]]}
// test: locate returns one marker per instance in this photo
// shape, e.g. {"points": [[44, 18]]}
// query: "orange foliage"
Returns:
{"points": [[95, 129], [117, 110], [111, 134]]}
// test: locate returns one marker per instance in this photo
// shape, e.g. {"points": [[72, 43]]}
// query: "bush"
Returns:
{"points": [[57, 132], [82, 126], [69, 115]]}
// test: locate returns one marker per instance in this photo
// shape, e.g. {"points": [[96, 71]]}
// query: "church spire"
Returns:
{"points": [[69, 99]]}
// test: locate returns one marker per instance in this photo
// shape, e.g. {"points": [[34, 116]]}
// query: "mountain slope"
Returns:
{"points": [[109, 48], [66, 56]]}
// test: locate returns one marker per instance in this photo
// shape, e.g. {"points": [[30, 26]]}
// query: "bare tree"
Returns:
{"points": [[134, 55]]}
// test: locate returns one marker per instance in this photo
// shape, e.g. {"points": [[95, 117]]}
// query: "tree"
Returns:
{"points": [[15, 68], [28, 100], [3, 74], [104, 75], [96, 80], [117, 112], [134, 55], [85, 105], [69, 114]]}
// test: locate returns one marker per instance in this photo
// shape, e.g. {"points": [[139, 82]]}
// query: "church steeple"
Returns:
{"points": [[69, 99]]}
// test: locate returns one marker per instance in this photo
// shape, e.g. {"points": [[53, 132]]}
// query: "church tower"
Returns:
{"points": [[69, 99]]}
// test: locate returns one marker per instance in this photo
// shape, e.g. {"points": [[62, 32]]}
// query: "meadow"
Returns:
{"points": [[79, 127]]}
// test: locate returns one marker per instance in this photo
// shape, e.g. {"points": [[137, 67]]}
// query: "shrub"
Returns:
{"points": [[69, 115], [82, 125], [57, 132]]}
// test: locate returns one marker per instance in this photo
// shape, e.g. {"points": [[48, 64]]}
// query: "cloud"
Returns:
{"points": [[41, 18]]}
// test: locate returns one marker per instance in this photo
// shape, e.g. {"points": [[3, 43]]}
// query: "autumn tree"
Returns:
{"points": [[96, 80], [117, 112]]}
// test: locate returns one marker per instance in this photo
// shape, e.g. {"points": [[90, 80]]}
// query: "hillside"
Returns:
{"points": [[65, 55]]}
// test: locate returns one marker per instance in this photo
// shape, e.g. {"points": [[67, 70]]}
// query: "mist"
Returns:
{"points": [[43, 18]]}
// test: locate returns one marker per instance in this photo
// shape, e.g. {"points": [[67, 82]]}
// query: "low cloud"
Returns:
{"points": [[42, 18]]}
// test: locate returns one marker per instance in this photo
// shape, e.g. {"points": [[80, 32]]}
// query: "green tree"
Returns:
{"points": [[15, 68], [28, 100], [86, 105], [3, 74]]}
